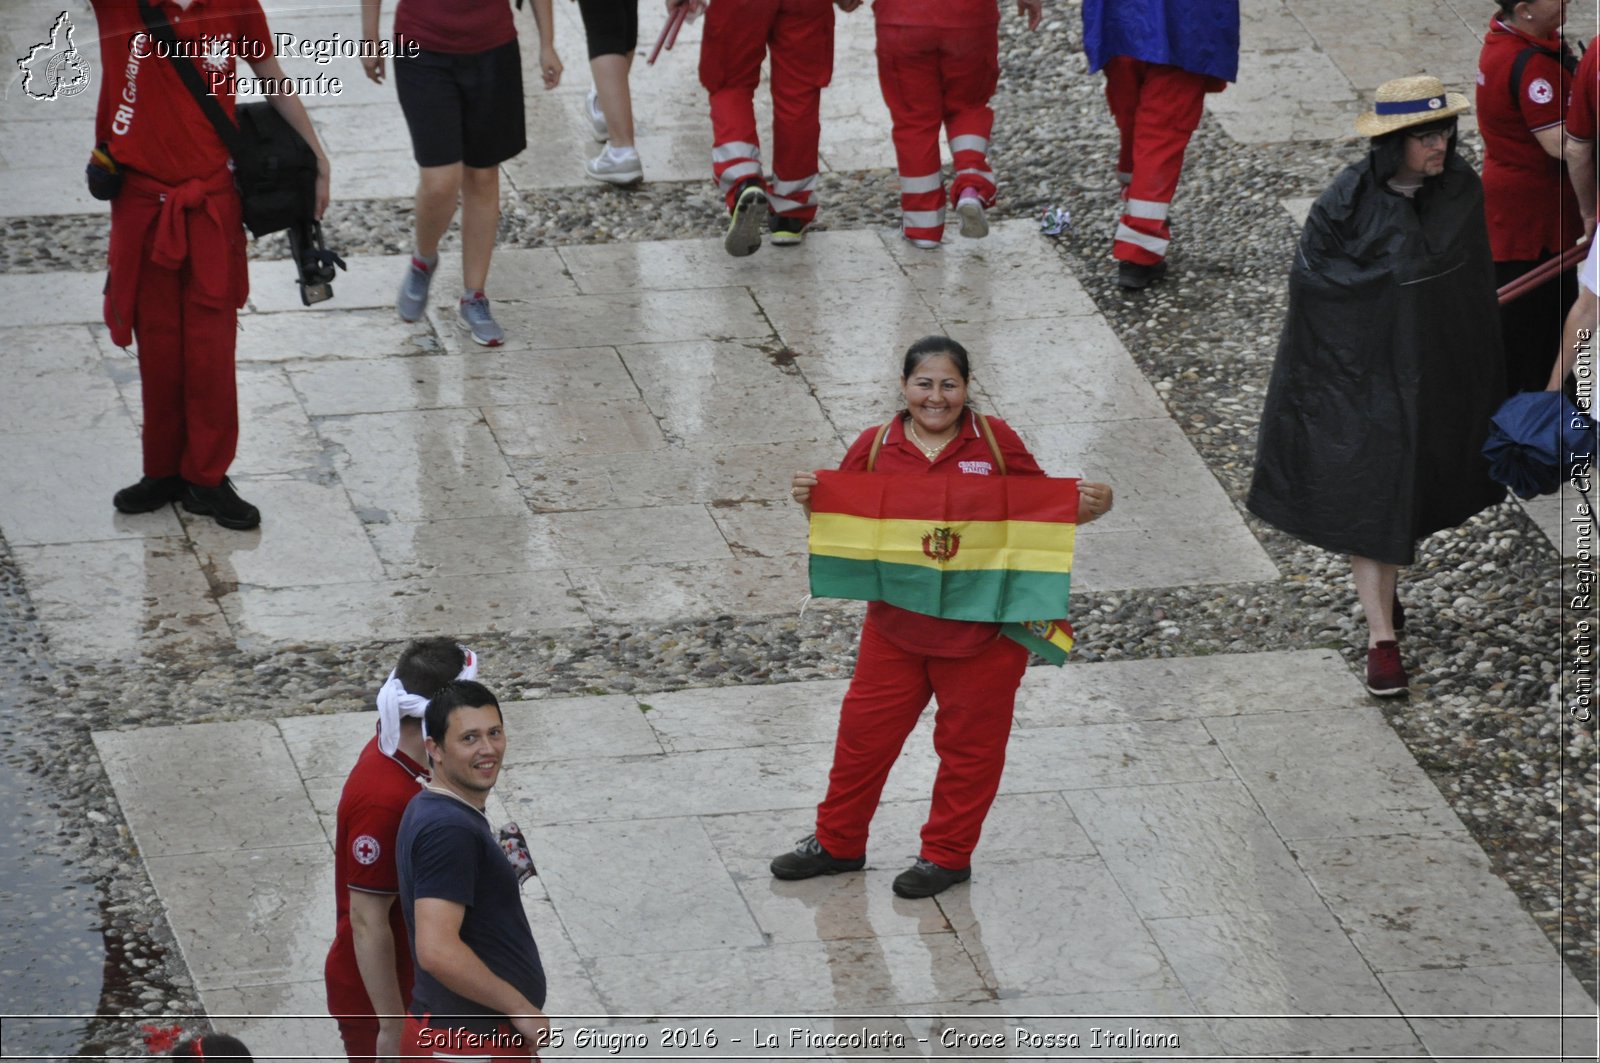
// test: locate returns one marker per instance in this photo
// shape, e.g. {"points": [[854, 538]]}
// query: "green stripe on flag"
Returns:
{"points": [[986, 595]]}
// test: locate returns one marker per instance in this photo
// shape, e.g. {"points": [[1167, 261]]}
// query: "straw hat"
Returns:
{"points": [[1410, 101]]}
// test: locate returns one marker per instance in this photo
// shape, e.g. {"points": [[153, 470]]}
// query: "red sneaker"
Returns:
{"points": [[1386, 676]]}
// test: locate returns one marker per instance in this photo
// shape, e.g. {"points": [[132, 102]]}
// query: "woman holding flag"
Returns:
{"points": [[907, 657]]}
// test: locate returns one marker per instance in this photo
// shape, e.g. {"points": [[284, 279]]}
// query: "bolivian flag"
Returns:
{"points": [[996, 549]]}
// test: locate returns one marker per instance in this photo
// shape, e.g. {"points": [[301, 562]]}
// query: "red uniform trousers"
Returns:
{"points": [[737, 35], [177, 278], [1157, 108], [887, 694], [420, 1040], [934, 76], [360, 1036]]}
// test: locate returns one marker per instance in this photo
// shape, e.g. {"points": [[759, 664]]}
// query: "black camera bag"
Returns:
{"points": [[273, 167]]}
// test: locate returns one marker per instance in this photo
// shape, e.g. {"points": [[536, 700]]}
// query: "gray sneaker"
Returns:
{"points": [[597, 117], [474, 316], [413, 300]]}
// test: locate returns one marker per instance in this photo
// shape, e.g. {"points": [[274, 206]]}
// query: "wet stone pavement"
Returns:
{"points": [[1203, 815]]}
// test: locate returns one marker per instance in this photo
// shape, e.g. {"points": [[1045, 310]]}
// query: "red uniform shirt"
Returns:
{"points": [[461, 27], [1528, 201], [146, 114], [967, 455], [1583, 109], [939, 14], [370, 806]]}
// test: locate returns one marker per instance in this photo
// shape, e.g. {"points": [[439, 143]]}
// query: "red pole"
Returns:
{"points": [[669, 32], [1543, 272]]}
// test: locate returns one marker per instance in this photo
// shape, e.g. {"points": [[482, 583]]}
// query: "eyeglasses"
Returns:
{"points": [[1431, 137]]}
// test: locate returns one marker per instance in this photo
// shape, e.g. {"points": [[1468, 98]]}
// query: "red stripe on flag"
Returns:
{"points": [[876, 496]]}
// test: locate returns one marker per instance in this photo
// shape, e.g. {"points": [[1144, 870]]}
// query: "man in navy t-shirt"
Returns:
{"points": [[480, 985]]}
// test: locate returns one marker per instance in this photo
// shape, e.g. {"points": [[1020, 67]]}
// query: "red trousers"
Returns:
{"points": [[738, 34], [360, 1037], [934, 77], [1157, 108], [887, 694], [177, 278], [420, 1040]]}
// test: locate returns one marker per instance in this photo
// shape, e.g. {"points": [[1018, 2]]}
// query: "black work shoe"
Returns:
{"points": [[744, 221], [223, 505], [809, 859], [1135, 277], [925, 878], [150, 493]]}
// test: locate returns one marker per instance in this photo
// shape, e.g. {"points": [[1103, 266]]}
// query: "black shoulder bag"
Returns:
{"points": [[273, 166]]}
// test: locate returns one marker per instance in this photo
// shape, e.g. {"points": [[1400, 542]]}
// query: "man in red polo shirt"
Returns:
{"points": [[368, 971], [1523, 83], [177, 257], [1583, 130]]}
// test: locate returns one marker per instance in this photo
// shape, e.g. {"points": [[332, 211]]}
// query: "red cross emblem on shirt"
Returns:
{"points": [[365, 849]]}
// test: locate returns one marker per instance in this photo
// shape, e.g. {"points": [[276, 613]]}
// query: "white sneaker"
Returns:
{"points": [[974, 224], [615, 168], [923, 245], [597, 117]]}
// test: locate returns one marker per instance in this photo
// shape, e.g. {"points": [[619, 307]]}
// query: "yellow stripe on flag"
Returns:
{"points": [[1024, 545]]}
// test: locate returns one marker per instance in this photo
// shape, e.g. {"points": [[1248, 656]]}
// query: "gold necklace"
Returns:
{"points": [[928, 452]]}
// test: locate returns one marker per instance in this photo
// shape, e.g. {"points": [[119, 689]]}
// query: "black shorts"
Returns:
{"points": [[463, 108], [611, 26]]}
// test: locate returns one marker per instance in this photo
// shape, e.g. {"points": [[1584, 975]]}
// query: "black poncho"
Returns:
{"points": [[1388, 368]]}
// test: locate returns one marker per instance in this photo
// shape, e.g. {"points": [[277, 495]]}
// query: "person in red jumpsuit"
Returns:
{"points": [[905, 658], [938, 64], [1523, 84], [738, 35], [368, 971], [177, 274], [1160, 60]]}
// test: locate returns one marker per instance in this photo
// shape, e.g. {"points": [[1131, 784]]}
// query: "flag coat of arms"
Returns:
{"points": [[994, 549]]}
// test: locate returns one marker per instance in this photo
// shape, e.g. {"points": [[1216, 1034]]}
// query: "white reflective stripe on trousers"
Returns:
{"points": [[931, 182], [735, 149], [1154, 244], [1148, 209]]}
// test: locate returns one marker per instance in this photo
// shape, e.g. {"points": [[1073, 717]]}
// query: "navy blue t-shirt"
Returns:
{"points": [[446, 850]]}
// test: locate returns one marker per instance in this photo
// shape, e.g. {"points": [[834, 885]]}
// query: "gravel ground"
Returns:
{"points": [[1484, 602]]}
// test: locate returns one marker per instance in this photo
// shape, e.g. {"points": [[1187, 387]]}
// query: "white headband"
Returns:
{"points": [[394, 701]]}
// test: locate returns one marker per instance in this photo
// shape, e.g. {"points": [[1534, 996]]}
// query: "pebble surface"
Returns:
{"points": [[1484, 602]]}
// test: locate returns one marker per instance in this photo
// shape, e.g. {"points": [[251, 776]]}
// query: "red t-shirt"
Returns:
{"points": [[1583, 108], [374, 798], [146, 114], [1529, 204], [968, 455], [460, 27], [940, 14]]}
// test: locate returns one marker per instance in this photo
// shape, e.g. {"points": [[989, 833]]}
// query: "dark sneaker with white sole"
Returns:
{"points": [[926, 878], [809, 859], [1386, 676], [223, 505]]}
